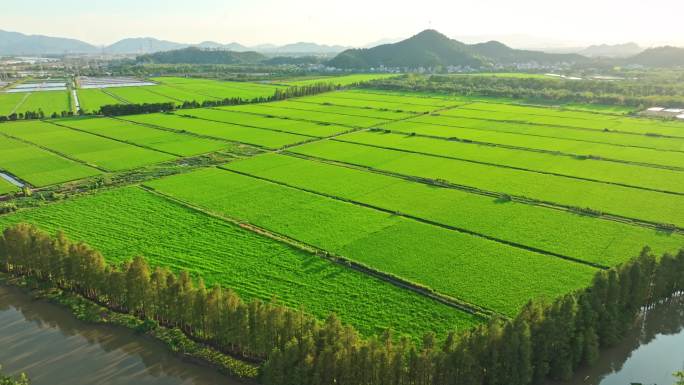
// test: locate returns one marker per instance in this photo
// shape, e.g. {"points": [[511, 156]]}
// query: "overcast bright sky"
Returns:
{"points": [[350, 22]]}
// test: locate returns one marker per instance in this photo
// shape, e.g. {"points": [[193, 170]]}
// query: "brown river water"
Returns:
{"points": [[46, 342]]}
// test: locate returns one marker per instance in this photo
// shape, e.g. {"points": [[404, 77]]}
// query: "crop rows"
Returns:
{"points": [[538, 115], [472, 269], [349, 101], [91, 149], [591, 136], [611, 172], [612, 199], [342, 110], [218, 89], [554, 231], [232, 132], [272, 109], [260, 121], [437, 126], [90, 100], [166, 141], [37, 166], [130, 221]]}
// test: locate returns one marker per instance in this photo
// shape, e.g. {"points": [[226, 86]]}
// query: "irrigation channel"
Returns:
{"points": [[48, 343], [648, 356]]}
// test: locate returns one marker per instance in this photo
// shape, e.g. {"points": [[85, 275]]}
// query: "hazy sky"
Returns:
{"points": [[350, 22]]}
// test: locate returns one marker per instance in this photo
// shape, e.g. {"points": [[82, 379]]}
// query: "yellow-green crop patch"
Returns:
{"points": [[37, 166], [162, 140], [470, 268], [272, 109], [611, 199], [439, 126], [592, 169], [127, 222], [109, 154], [232, 132], [260, 121], [584, 238]]}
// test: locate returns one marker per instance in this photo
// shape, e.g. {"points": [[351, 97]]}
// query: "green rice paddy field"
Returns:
{"points": [[130, 221], [48, 101], [486, 203]]}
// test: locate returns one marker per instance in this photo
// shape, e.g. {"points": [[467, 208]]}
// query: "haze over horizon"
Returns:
{"points": [[526, 23]]}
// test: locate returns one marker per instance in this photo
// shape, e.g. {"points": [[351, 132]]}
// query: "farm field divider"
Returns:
{"points": [[218, 130], [37, 166], [92, 150], [366, 104], [291, 126], [597, 122], [628, 175], [478, 268], [300, 105], [267, 109], [645, 207], [553, 232], [130, 221], [173, 143], [427, 125], [661, 143]]}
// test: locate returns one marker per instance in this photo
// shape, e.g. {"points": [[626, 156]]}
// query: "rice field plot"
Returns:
{"points": [[251, 120], [298, 104], [92, 99], [610, 199], [139, 95], [538, 115], [7, 187], [329, 99], [37, 166], [270, 109], [10, 102], [48, 101], [127, 222], [438, 126], [612, 172], [591, 136], [219, 89], [605, 243], [231, 132], [94, 150], [340, 80], [399, 97], [178, 94], [156, 139], [472, 269]]}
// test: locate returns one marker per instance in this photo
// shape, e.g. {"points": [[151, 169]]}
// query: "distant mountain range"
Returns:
{"points": [[659, 57], [14, 43], [431, 48], [612, 51], [426, 49]]}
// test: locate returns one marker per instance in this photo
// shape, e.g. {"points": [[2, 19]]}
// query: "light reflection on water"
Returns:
{"points": [[53, 348]]}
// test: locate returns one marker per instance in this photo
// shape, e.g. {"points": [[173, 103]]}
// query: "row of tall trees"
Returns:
{"points": [[279, 94], [547, 340], [28, 115], [636, 93]]}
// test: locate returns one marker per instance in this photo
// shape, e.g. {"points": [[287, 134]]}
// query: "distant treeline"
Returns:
{"points": [[280, 94], [549, 339], [635, 93], [28, 115], [144, 108]]}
